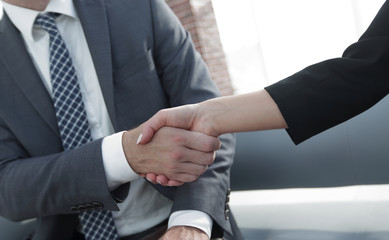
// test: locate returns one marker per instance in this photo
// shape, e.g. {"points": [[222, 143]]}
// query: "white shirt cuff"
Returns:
{"points": [[117, 169], [192, 218]]}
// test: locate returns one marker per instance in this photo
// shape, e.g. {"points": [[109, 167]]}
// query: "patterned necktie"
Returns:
{"points": [[72, 119]]}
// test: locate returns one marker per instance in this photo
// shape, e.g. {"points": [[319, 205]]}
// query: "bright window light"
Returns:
{"points": [[266, 41]]}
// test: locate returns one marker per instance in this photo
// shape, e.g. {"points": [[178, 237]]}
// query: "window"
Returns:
{"points": [[266, 41]]}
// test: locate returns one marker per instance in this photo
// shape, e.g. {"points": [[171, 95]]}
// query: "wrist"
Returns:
{"points": [[129, 144], [209, 112]]}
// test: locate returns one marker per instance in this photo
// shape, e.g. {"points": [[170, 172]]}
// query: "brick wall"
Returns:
{"points": [[198, 18]]}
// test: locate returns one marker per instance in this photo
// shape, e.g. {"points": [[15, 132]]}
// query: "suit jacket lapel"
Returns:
{"points": [[18, 62], [93, 18]]}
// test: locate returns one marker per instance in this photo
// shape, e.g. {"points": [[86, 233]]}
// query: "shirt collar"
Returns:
{"points": [[24, 18]]}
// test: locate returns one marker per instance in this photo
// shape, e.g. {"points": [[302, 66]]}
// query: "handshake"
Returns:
{"points": [[175, 146]]}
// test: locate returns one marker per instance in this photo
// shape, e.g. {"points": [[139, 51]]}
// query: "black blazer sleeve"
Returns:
{"points": [[333, 91]]}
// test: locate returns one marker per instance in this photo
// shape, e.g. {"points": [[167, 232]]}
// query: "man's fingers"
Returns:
{"points": [[201, 142], [178, 159], [162, 179], [177, 174], [184, 172], [174, 183], [185, 177], [151, 177]]}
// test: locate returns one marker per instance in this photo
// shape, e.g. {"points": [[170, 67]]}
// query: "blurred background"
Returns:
{"points": [[266, 41]]}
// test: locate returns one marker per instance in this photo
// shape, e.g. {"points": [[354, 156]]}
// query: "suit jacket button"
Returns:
{"points": [[97, 205], [74, 209], [227, 214], [89, 206], [82, 208]]}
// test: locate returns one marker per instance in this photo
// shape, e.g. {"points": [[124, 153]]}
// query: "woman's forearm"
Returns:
{"points": [[247, 112]]}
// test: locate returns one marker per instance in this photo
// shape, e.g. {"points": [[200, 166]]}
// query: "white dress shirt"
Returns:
{"points": [[144, 207]]}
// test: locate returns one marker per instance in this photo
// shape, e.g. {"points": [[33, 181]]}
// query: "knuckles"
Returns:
{"points": [[176, 155], [191, 178], [178, 139]]}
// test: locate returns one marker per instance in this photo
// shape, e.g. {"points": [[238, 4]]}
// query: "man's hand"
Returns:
{"points": [[175, 153], [162, 180], [184, 233], [190, 117]]}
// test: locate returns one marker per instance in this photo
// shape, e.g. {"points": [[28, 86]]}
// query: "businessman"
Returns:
{"points": [[75, 76]]}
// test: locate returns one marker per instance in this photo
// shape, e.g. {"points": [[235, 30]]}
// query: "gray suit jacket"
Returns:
{"points": [[145, 61]]}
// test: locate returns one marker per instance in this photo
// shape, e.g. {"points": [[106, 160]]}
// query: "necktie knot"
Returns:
{"points": [[47, 22]]}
